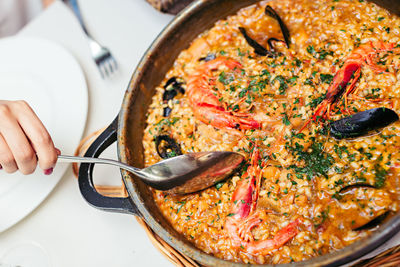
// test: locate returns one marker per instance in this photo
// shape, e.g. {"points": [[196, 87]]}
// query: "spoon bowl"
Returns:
{"points": [[183, 174]]}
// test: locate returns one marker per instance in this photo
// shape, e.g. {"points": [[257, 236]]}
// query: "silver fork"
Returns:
{"points": [[101, 55]]}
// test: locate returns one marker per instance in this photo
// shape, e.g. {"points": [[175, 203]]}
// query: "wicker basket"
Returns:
{"points": [[388, 258]]}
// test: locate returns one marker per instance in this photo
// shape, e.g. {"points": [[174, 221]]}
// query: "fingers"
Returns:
{"points": [[24, 141], [38, 136], [7, 161], [17, 142]]}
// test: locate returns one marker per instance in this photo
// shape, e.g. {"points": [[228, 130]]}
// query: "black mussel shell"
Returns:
{"points": [[172, 88], [362, 122], [169, 94], [258, 49], [285, 31], [176, 86], [209, 57], [167, 147], [352, 186], [373, 223], [167, 111], [172, 81]]}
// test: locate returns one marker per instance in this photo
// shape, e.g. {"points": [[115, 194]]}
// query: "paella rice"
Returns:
{"points": [[246, 85]]}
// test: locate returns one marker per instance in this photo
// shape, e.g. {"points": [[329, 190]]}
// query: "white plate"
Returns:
{"points": [[51, 81]]}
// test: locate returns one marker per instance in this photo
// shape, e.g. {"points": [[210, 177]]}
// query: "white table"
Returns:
{"points": [[70, 231]]}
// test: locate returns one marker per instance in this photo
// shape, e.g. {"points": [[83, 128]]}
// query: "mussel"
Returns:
{"points": [[172, 88], [258, 48], [284, 29], [375, 219], [373, 223], [167, 147], [362, 122]]}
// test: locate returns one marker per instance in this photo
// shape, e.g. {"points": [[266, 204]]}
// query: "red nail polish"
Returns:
{"points": [[1, 167], [48, 171]]}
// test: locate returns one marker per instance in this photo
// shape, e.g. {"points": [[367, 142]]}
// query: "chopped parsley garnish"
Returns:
{"points": [[282, 84], [311, 49], [180, 207], [225, 79], [380, 176], [314, 163], [326, 78], [285, 120], [316, 101]]}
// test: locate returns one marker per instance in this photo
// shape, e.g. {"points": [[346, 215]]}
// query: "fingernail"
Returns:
{"points": [[1, 167], [48, 171], [58, 151]]}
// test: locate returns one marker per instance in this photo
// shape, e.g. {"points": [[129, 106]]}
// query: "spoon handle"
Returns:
{"points": [[63, 158]]}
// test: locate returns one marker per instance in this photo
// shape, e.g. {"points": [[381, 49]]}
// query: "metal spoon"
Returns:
{"points": [[183, 174]]}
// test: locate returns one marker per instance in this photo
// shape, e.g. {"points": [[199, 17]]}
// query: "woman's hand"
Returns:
{"points": [[24, 141]]}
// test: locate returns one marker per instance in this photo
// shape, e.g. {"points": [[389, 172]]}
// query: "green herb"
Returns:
{"points": [[314, 163], [339, 182], [219, 185], [338, 170], [324, 53], [326, 78], [297, 62], [180, 207], [282, 84], [243, 93], [285, 120], [316, 101], [292, 79], [380, 176], [171, 154], [225, 79], [324, 216], [311, 49], [309, 81], [240, 53]]}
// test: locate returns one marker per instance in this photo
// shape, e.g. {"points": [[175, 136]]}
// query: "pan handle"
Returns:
{"points": [[85, 179]]}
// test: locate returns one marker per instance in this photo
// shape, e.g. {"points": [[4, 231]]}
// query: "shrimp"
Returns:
{"points": [[243, 217], [347, 76], [204, 101]]}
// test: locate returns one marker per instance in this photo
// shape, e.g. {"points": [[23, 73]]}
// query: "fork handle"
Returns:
{"points": [[73, 4]]}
